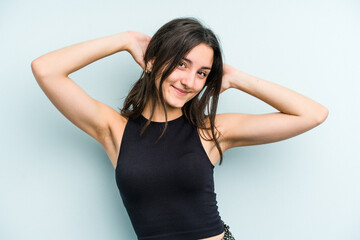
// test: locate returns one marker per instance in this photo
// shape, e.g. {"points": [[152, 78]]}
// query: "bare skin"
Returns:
{"points": [[296, 113]]}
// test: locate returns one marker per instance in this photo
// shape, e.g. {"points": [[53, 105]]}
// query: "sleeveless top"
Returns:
{"points": [[167, 187]]}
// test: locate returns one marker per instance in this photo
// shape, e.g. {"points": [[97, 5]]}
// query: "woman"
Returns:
{"points": [[162, 144]]}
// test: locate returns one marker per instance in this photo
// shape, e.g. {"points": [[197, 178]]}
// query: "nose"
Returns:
{"points": [[188, 79]]}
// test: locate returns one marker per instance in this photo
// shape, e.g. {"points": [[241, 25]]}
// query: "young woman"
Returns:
{"points": [[162, 144]]}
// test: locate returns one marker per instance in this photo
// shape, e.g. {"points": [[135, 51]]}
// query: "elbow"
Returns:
{"points": [[35, 64], [37, 69], [322, 115]]}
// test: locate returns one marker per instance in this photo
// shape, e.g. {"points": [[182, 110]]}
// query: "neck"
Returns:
{"points": [[159, 113]]}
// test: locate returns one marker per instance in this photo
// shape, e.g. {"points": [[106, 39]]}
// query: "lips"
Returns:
{"points": [[180, 92]]}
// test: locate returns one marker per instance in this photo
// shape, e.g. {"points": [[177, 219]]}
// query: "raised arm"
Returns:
{"points": [[52, 69], [297, 113]]}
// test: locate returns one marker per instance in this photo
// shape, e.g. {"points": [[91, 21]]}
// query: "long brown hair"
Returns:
{"points": [[166, 49]]}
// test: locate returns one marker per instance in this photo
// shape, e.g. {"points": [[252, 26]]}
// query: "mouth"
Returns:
{"points": [[180, 92]]}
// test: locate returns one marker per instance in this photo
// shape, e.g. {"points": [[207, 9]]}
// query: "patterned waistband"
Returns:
{"points": [[228, 235]]}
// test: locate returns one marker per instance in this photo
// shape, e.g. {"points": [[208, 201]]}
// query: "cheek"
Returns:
{"points": [[166, 82], [200, 86], [172, 78]]}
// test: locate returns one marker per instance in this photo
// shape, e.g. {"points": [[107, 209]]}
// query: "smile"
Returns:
{"points": [[182, 93]]}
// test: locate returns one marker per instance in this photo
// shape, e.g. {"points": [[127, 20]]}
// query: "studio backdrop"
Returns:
{"points": [[56, 182]]}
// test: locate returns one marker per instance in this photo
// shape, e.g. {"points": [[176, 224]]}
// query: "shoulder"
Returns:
{"points": [[111, 139], [117, 123], [207, 140], [224, 125], [219, 123]]}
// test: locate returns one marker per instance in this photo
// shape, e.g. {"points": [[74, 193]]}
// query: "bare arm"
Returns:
{"points": [[297, 113], [69, 59], [51, 72]]}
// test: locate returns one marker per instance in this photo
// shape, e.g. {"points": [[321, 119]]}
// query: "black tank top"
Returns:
{"points": [[167, 187]]}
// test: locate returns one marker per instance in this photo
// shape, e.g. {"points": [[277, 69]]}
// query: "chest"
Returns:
{"points": [[113, 144], [176, 162]]}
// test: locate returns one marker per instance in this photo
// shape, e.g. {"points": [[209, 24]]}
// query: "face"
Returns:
{"points": [[188, 78]]}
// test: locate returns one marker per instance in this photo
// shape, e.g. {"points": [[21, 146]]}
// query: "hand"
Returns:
{"points": [[229, 74], [137, 44]]}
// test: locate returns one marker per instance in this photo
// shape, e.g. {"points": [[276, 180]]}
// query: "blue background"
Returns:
{"points": [[56, 182]]}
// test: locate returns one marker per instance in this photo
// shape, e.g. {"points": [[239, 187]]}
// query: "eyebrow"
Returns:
{"points": [[188, 60]]}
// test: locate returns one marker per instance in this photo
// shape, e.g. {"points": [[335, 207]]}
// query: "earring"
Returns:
{"points": [[147, 71]]}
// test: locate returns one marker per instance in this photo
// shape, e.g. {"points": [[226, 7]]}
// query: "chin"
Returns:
{"points": [[175, 104], [178, 105], [173, 101]]}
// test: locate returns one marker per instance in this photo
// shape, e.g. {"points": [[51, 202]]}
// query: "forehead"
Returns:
{"points": [[201, 55]]}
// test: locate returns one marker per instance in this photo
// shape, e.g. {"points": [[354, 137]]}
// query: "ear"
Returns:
{"points": [[149, 65]]}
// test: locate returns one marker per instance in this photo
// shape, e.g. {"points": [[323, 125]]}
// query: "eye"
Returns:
{"points": [[182, 64], [203, 74]]}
